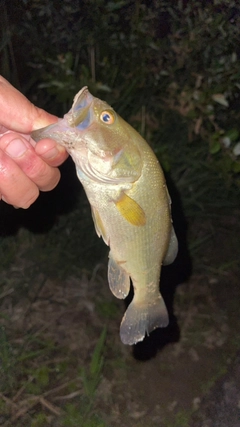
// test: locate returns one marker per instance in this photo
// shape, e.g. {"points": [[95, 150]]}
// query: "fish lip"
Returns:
{"points": [[52, 131], [69, 122], [78, 113], [76, 119]]}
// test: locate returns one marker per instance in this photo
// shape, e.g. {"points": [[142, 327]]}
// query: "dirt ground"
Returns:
{"points": [[181, 376]]}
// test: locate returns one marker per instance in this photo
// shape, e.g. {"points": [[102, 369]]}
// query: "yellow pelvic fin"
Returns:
{"points": [[131, 210]]}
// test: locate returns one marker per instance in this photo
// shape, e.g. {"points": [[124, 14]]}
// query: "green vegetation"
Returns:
{"points": [[82, 414], [30, 370], [91, 377], [182, 419]]}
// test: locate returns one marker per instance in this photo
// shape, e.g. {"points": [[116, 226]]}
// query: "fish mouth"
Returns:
{"points": [[81, 104], [80, 114], [78, 118]]}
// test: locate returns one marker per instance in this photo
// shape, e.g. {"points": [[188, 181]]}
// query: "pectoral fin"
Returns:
{"points": [[131, 210], [172, 249], [119, 281]]}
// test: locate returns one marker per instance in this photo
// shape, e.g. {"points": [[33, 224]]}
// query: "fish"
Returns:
{"points": [[130, 204]]}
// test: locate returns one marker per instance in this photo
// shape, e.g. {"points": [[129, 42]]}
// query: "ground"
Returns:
{"points": [[62, 361]]}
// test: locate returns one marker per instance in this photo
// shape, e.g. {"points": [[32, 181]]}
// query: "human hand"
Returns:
{"points": [[25, 167]]}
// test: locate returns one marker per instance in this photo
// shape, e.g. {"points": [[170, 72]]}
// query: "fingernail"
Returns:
{"points": [[50, 154], [16, 148]]}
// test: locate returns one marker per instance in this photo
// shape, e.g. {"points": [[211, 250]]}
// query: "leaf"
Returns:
{"points": [[42, 376], [236, 167], [97, 360], [215, 147], [220, 99], [233, 134], [226, 141], [236, 149]]}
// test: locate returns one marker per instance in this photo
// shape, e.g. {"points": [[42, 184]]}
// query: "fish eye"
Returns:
{"points": [[107, 117]]}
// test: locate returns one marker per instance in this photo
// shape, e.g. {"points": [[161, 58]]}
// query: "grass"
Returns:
{"points": [[7, 362], [91, 376], [77, 416], [27, 376], [181, 419]]}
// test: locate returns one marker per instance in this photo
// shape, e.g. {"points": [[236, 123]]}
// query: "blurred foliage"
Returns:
{"points": [[146, 58]]}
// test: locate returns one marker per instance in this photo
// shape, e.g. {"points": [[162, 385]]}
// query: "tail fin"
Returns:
{"points": [[141, 319]]}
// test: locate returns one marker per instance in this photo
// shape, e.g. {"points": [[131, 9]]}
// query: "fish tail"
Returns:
{"points": [[142, 318]]}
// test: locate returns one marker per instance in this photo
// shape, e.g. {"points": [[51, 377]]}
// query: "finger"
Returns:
{"points": [[24, 119], [21, 151], [51, 152], [15, 187]]}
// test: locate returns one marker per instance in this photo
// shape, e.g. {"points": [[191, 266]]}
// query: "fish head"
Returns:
{"points": [[97, 138]]}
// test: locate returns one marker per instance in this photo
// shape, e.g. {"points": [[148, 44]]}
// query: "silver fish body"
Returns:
{"points": [[130, 205]]}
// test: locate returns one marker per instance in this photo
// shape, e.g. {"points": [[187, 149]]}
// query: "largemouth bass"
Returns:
{"points": [[130, 205]]}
